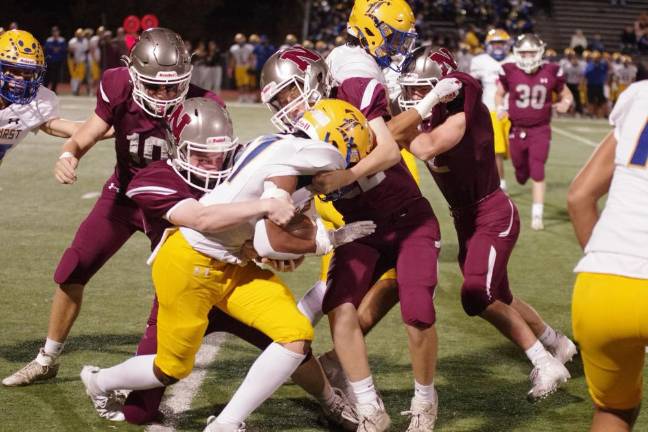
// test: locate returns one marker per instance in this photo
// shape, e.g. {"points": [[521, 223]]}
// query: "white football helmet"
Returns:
{"points": [[528, 51]]}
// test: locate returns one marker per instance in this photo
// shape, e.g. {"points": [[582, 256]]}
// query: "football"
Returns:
{"points": [[300, 226]]}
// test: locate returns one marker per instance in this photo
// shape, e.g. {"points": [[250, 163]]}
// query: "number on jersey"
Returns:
{"points": [[534, 97]]}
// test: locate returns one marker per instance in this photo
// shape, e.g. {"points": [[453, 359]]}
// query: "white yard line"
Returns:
{"points": [[179, 396], [574, 137]]}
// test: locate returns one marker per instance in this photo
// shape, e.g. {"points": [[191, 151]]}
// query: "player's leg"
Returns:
{"points": [[106, 228], [416, 268], [519, 154], [539, 139], [610, 325], [259, 299]]}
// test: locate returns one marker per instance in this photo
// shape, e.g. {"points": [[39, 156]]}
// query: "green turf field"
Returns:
{"points": [[482, 379]]}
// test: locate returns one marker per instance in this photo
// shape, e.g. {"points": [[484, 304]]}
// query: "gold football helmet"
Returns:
{"points": [[498, 44], [339, 123], [22, 66], [384, 28]]}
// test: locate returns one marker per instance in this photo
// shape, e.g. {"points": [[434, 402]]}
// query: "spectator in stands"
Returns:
{"points": [[578, 39], [290, 40], [628, 40], [55, 54], [574, 70], [322, 48], [596, 75], [262, 52], [13, 25], [596, 44], [198, 58]]}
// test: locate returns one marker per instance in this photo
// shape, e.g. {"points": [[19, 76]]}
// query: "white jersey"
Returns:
{"points": [[79, 49], [265, 157], [625, 74], [486, 69], [17, 120], [574, 72], [243, 54], [352, 62], [619, 241], [95, 49]]}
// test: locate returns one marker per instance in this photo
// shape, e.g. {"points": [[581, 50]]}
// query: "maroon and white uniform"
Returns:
{"points": [[156, 190], [529, 101], [407, 236], [486, 220], [139, 140]]}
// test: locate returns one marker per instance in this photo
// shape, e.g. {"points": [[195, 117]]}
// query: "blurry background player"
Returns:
{"points": [[133, 100], [55, 55], [610, 296], [78, 48], [596, 76], [574, 70], [242, 66], [25, 105], [486, 68], [456, 144], [530, 84]]}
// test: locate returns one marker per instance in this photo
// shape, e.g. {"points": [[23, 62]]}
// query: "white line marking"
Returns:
{"points": [[179, 396], [90, 195], [575, 137]]}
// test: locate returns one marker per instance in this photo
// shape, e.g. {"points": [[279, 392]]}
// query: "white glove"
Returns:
{"points": [[443, 91], [326, 240]]}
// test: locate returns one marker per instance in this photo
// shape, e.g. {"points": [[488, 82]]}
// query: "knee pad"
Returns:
{"points": [[474, 296]]}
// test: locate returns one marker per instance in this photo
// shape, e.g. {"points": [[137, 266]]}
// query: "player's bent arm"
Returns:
{"points": [[385, 155], [566, 99], [589, 185], [499, 99], [440, 139], [403, 126]]}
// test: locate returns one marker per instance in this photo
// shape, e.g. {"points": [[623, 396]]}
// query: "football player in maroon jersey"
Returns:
{"points": [[530, 83]]}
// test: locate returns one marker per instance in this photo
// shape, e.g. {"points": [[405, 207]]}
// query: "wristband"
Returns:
{"points": [[424, 107], [67, 154]]}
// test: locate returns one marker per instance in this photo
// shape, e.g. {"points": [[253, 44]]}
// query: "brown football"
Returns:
{"points": [[300, 226]]}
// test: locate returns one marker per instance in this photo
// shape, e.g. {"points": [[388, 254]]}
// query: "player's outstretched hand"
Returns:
{"points": [[447, 89], [351, 231], [502, 113], [65, 169], [279, 210], [563, 106]]}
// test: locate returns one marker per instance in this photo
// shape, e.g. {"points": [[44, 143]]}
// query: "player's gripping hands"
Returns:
{"points": [[443, 92], [65, 168]]}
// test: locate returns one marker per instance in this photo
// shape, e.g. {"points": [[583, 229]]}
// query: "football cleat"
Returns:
{"points": [[422, 415], [32, 372], [335, 374], [214, 426], [546, 377], [372, 418], [536, 223], [564, 350], [109, 405], [340, 412]]}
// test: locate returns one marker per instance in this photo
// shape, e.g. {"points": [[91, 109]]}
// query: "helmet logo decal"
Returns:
{"points": [[178, 121], [300, 56], [445, 60]]}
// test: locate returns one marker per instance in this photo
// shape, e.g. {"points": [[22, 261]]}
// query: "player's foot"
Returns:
{"points": [[372, 418], [335, 374], [422, 415], [546, 377], [340, 412], [564, 349], [32, 372], [214, 426], [109, 405], [536, 223]]}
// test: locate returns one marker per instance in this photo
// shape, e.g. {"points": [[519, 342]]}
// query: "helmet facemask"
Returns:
{"points": [[19, 83], [289, 100], [156, 106], [498, 49], [218, 151], [527, 59], [395, 42], [413, 89]]}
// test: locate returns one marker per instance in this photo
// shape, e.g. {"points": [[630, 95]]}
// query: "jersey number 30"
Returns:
{"points": [[531, 96]]}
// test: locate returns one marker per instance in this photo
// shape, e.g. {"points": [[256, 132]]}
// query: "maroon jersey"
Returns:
{"points": [[139, 138], [156, 189], [530, 95], [383, 193], [467, 172]]}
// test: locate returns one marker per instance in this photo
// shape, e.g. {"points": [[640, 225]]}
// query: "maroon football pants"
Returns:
{"points": [[529, 148]]}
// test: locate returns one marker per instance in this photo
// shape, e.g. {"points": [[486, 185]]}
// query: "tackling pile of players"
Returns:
{"points": [[218, 212]]}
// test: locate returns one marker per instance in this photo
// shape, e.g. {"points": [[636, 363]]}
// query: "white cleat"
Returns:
{"points": [[31, 372], [564, 350], [340, 412], [422, 414], [536, 223], [214, 426], [546, 377], [109, 405], [336, 376], [373, 419]]}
